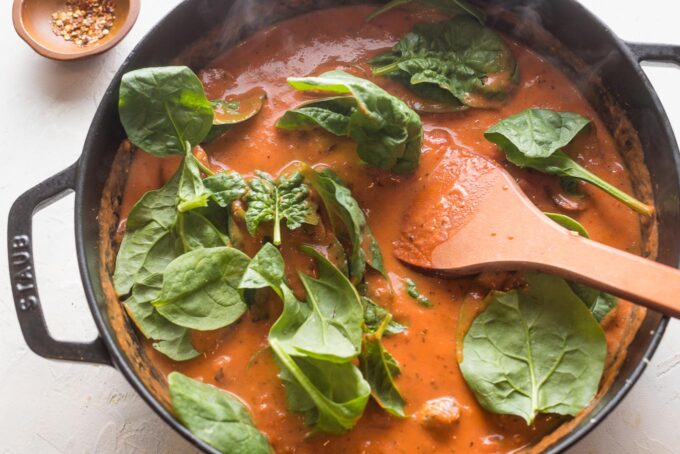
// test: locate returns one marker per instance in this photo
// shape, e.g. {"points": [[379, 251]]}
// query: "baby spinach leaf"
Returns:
{"points": [[536, 133], [159, 227], [380, 369], [348, 219], [454, 7], [413, 292], [225, 187], [143, 251], [196, 231], [171, 340], [599, 303], [459, 62], [568, 223], [149, 242], [191, 191], [331, 396], [374, 316], [200, 288], [275, 200], [332, 332], [156, 234], [535, 350], [178, 348], [218, 216], [231, 111], [292, 317], [534, 138], [162, 109], [159, 206], [266, 269], [215, 416], [335, 252], [388, 133], [331, 114]]}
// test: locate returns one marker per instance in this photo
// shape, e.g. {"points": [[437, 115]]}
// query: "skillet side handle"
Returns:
{"points": [[665, 53], [23, 279]]}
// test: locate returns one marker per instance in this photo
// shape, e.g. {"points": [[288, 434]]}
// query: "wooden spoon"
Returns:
{"points": [[33, 18], [472, 216]]}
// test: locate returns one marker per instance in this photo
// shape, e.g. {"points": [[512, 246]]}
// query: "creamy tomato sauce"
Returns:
{"points": [[237, 359]]}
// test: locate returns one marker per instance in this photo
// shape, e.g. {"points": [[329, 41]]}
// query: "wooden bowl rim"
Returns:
{"points": [[40, 48]]}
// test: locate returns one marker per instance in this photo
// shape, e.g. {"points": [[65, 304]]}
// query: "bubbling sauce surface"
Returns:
{"points": [[236, 358]]}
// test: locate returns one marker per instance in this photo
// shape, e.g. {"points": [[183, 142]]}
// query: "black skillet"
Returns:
{"points": [[576, 31]]}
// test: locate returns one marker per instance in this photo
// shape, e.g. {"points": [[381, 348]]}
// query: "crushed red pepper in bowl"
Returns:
{"points": [[84, 22]]}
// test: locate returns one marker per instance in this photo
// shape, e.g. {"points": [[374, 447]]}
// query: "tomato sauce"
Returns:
{"points": [[237, 359]]}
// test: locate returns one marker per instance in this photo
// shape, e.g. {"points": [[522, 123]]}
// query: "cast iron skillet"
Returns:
{"points": [[615, 61]]}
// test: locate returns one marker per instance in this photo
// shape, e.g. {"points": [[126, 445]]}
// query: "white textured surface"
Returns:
{"points": [[55, 407]]}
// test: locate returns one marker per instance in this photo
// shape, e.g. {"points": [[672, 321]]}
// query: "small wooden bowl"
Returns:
{"points": [[33, 22]]}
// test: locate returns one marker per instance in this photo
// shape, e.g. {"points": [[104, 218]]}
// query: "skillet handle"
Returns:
{"points": [[666, 53], [23, 279]]}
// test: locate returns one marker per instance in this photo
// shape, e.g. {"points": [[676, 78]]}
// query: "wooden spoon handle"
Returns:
{"points": [[622, 274]]}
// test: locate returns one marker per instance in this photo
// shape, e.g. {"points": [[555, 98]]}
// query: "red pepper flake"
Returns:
{"points": [[84, 22]]}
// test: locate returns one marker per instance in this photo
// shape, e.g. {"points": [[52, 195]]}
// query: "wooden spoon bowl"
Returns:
{"points": [[33, 22]]}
